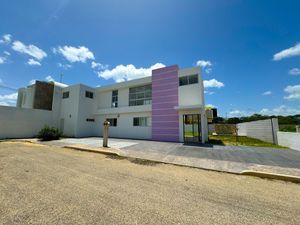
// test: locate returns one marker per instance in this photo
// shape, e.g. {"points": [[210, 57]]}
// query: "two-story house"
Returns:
{"points": [[167, 106]]}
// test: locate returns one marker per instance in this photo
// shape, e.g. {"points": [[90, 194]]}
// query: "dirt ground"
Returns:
{"points": [[52, 185]]}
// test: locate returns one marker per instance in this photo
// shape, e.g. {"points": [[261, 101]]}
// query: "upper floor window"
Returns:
{"points": [[192, 79], [114, 99], [89, 94], [66, 94], [140, 95], [113, 122], [142, 121]]}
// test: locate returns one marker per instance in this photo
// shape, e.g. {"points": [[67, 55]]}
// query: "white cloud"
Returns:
{"points": [[32, 82], [6, 39], [294, 71], [49, 79], [2, 60], [95, 65], [64, 66], [31, 50], [213, 83], [239, 113], [33, 62], [129, 72], [209, 92], [6, 53], [205, 65], [293, 92], [267, 93], [287, 53], [8, 100], [281, 110], [73, 54]]}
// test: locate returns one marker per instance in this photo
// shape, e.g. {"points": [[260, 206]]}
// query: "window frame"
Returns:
{"points": [[188, 80], [114, 98], [66, 94], [113, 122], [89, 94], [140, 95], [143, 121]]}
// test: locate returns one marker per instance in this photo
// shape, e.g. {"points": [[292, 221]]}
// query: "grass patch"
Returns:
{"points": [[241, 140]]}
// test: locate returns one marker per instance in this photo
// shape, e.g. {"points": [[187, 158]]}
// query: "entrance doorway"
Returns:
{"points": [[192, 128]]}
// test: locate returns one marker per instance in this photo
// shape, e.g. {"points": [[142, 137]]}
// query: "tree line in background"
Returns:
{"points": [[286, 120]]}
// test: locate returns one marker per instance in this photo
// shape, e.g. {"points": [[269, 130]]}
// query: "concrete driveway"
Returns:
{"points": [[233, 159]]}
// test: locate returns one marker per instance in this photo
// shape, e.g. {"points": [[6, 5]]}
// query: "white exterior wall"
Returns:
{"points": [[22, 122], [124, 113], [85, 111], [264, 130], [69, 110], [70, 114], [191, 94], [56, 106], [26, 97], [125, 128], [289, 139]]}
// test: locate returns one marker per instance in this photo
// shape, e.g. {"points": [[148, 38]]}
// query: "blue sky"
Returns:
{"points": [[248, 50]]}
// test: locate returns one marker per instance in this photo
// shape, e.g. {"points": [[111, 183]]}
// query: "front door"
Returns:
{"points": [[192, 128]]}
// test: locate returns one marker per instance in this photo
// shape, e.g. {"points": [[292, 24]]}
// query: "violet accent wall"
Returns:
{"points": [[165, 119]]}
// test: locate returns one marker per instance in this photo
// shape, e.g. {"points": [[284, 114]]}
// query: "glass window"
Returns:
{"points": [[140, 95], [66, 94], [192, 79], [114, 99], [89, 94], [142, 121], [113, 122], [183, 81]]}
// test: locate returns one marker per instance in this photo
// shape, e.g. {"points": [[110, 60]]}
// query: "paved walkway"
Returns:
{"points": [[233, 159]]}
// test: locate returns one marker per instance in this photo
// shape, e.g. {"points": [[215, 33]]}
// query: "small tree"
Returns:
{"points": [[49, 133]]}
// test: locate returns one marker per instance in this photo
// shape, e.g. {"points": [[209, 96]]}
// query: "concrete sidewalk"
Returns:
{"points": [[231, 159]]}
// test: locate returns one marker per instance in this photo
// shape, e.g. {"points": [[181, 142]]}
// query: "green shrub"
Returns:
{"points": [[49, 133]]}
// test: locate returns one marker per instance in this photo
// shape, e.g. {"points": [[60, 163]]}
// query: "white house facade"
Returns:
{"points": [[167, 106]]}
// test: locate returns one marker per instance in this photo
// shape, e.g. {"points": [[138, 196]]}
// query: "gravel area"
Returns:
{"points": [[52, 185]]}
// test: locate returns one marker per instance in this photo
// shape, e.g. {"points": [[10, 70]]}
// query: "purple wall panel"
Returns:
{"points": [[165, 120]]}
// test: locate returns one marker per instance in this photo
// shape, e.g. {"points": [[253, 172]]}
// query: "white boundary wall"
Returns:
{"points": [[265, 130], [21, 122], [289, 139]]}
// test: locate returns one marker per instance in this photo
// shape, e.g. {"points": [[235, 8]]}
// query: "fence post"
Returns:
{"points": [[297, 129], [275, 128]]}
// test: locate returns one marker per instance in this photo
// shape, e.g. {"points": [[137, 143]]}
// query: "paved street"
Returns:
{"points": [[234, 159], [52, 185]]}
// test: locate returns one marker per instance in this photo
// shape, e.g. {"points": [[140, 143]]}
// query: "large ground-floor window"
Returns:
{"points": [[142, 121]]}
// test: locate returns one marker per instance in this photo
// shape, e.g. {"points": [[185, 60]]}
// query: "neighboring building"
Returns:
{"points": [[167, 106]]}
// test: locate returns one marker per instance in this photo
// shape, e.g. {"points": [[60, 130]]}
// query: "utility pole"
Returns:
{"points": [[61, 76]]}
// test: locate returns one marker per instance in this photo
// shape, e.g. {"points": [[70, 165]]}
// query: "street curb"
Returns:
{"points": [[275, 176], [92, 150]]}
